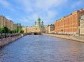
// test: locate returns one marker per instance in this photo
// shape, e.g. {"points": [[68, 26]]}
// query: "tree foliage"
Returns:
{"points": [[5, 30]]}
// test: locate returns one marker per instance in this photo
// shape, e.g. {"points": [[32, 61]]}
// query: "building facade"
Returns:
{"points": [[4, 22], [38, 27], [46, 28], [49, 28], [1, 21], [69, 24], [82, 25]]}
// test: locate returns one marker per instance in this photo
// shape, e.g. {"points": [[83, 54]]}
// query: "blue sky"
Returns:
{"points": [[26, 12]]}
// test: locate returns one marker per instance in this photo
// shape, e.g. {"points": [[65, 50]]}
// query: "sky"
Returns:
{"points": [[27, 12]]}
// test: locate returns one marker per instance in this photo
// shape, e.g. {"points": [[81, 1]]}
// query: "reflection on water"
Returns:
{"points": [[42, 48]]}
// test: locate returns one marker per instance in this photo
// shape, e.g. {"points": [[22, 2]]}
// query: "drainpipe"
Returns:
{"points": [[79, 26]]}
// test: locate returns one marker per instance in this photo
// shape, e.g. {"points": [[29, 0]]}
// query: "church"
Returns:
{"points": [[37, 28]]}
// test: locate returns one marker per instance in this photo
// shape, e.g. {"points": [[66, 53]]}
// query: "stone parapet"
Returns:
{"points": [[70, 37], [8, 40]]}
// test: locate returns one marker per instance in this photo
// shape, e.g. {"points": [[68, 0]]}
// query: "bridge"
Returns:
{"points": [[34, 33]]}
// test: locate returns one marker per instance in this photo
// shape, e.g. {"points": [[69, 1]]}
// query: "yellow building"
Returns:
{"points": [[4, 22], [11, 25], [1, 21], [38, 27]]}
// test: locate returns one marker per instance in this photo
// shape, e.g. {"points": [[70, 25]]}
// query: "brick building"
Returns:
{"points": [[69, 24]]}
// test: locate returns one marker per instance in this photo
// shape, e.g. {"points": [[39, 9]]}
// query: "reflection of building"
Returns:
{"points": [[82, 25], [38, 27], [69, 24]]}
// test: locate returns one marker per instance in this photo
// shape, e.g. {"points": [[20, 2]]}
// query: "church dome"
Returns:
{"points": [[39, 20]]}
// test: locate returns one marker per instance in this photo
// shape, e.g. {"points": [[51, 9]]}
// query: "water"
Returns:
{"points": [[41, 48]]}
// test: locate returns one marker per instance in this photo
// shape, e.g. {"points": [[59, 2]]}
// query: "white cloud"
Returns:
{"points": [[77, 4], [31, 5], [47, 4], [4, 3], [41, 8], [26, 5], [35, 9], [8, 17], [7, 5]]}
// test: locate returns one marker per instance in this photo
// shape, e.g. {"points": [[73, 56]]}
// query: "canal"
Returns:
{"points": [[42, 48]]}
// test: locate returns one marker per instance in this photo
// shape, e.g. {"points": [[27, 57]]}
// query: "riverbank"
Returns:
{"points": [[8, 40], [70, 37]]}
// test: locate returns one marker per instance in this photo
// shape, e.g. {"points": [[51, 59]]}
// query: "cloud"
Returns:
{"points": [[47, 4], [78, 4], [8, 17], [34, 5], [4, 3], [40, 8], [30, 10]]}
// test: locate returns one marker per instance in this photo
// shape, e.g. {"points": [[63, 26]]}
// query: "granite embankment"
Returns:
{"points": [[70, 37], [5, 41]]}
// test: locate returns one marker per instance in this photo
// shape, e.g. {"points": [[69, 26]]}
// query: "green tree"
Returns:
{"points": [[0, 30], [22, 31], [5, 30], [19, 28]]}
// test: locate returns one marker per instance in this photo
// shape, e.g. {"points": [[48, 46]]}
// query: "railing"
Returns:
{"points": [[5, 35]]}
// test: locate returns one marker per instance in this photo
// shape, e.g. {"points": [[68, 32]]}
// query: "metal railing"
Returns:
{"points": [[5, 35]]}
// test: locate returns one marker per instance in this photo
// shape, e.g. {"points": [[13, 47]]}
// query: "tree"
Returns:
{"points": [[5, 30], [22, 31], [0, 30]]}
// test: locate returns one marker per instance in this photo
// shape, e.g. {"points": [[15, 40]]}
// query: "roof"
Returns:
{"points": [[39, 20]]}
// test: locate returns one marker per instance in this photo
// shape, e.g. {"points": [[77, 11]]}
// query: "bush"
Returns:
{"points": [[21, 31]]}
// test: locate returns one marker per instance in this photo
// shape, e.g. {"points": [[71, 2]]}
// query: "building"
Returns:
{"points": [[11, 25], [38, 27], [4, 22], [19, 27], [1, 21], [46, 28], [49, 28], [7, 24], [82, 25], [69, 24]]}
